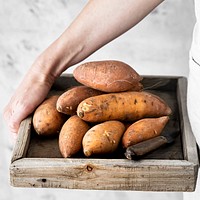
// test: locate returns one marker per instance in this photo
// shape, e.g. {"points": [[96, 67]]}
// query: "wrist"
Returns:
{"points": [[38, 74], [59, 56]]}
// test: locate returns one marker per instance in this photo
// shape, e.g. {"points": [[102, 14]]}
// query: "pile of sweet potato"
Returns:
{"points": [[93, 117]]}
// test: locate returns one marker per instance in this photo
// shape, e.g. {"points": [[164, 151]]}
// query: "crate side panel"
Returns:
{"points": [[103, 175]]}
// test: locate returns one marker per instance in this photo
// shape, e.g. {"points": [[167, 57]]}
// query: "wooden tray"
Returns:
{"points": [[37, 162]]}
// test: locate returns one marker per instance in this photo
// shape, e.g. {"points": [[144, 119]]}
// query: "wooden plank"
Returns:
{"points": [[48, 148], [23, 139], [188, 139], [36, 162], [159, 83], [40, 147], [103, 174]]}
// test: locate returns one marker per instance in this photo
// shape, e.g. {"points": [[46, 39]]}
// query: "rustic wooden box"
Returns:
{"points": [[37, 162]]}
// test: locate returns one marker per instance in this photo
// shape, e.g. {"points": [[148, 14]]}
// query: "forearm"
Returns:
{"points": [[100, 22]]}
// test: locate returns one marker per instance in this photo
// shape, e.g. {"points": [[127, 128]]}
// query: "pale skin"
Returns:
{"points": [[101, 21]]}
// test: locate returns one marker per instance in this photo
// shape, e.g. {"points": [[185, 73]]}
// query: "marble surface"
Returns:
{"points": [[159, 45]]}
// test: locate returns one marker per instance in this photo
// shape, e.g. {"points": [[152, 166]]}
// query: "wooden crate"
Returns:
{"points": [[37, 162]]}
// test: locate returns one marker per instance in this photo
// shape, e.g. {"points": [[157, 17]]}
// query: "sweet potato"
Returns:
{"points": [[68, 101], [71, 135], [103, 138], [144, 129], [47, 121], [128, 106], [108, 76]]}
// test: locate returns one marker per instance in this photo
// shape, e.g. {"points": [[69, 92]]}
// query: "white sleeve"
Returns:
{"points": [[193, 98]]}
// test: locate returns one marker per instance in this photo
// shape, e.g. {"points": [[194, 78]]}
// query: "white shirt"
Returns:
{"points": [[195, 48], [193, 95]]}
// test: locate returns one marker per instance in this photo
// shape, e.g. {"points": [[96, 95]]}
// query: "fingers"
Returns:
{"points": [[30, 93], [11, 120], [14, 113], [12, 124]]}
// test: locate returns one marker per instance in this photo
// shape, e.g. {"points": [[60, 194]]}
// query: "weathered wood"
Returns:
{"points": [[41, 147], [159, 83], [188, 139], [38, 163], [104, 174], [23, 140]]}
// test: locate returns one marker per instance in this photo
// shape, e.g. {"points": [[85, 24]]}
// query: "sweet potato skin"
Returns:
{"points": [[103, 138], [144, 129], [71, 135], [68, 101], [47, 121], [127, 106], [108, 76]]}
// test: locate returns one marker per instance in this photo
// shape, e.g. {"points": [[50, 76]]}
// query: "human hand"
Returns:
{"points": [[83, 37], [30, 93]]}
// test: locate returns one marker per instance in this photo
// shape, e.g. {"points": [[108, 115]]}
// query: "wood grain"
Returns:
{"points": [[23, 139], [189, 142], [37, 162], [104, 174]]}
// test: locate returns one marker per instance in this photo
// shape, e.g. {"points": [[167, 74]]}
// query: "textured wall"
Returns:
{"points": [[158, 45]]}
